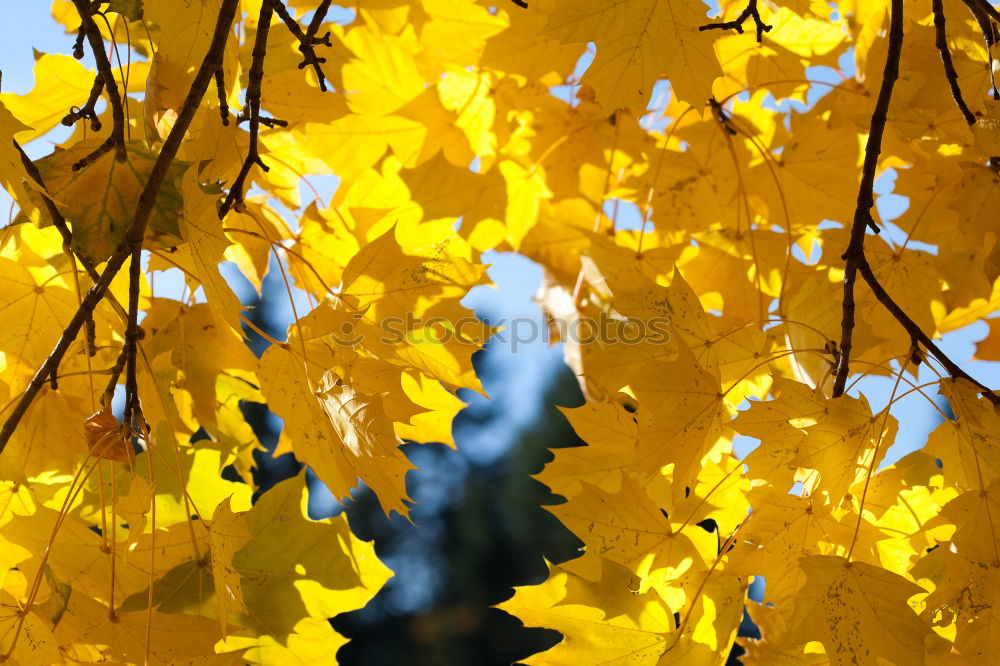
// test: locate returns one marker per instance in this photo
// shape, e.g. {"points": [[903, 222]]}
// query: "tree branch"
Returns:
{"points": [[116, 139], [115, 372], [220, 87], [144, 208], [132, 406], [308, 39], [941, 41], [985, 7], [856, 261], [985, 14], [750, 11], [916, 334], [866, 198], [87, 110], [251, 111], [59, 222]]}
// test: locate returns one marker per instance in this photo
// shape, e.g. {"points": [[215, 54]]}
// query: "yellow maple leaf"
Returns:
{"points": [[637, 633], [637, 43], [859, 612]]}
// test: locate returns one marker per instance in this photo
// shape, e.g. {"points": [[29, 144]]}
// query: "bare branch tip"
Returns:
{"points": [[750, 11]]}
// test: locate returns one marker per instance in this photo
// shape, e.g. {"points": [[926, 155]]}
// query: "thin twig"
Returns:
{"points": [[866, 198], [251, 112], [132, 405], [78, 44], [983, 19], [116, 372], [87, 110], [90, 333], [144, 208], [855, 258], [941, 41], [308, 39], [115, 140], [916, 334], [59, 222], [750, 11]]}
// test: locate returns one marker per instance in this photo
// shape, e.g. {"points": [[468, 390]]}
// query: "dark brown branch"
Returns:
{"points": [[985, 14], [78, 44], [251, 112], [317, 18], [90, 336], [721, 116], [750, 11], [59, 222], [132, 405], [856, 261], [916, 334], [941, 41], [116, 372], [983, 19], [144, 208], [87, 110], [115, 140], [866, 198], [985, 7], [220, 87], [308, 40]]}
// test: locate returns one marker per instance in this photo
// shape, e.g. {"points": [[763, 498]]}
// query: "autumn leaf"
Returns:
{"points": [[859, 612], [105, 438], [104, 196], [637, 632], [752, 228], [638, 43], [354, 439]]}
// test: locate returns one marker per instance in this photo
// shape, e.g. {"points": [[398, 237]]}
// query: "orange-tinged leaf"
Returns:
{"points": [[105, 437]]}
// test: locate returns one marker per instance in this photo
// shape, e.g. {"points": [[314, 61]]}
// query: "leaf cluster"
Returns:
{"points": [[735, 203]]}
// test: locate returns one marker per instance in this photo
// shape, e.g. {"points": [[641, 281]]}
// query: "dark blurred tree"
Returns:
{"points": [[493, 536]]}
